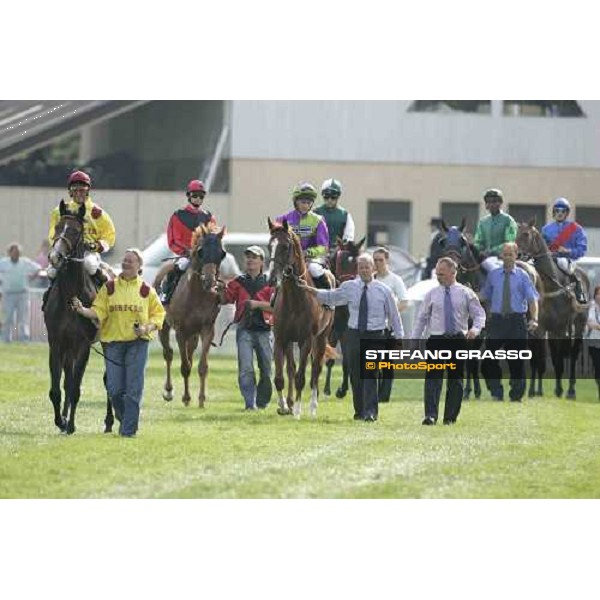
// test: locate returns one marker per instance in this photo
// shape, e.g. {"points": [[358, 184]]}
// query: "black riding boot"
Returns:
{"points": [[579, 293], [168, 285]]}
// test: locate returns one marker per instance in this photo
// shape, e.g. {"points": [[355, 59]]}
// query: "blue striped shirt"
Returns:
{"points": [[521, 290]]}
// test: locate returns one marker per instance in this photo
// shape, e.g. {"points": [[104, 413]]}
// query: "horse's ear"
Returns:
{"points": [[463, 224], [222, 232], [532, 222], [62, 208], [339, 241], [270, 224], [444, 227], [360, 242], [81, 212], [286, 225]]}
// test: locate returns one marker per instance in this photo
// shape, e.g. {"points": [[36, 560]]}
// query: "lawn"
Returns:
{"points": [[542, 448]]}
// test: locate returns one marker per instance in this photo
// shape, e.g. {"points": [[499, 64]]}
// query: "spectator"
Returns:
{"points": [[15, 274], [251, 295], [594, 335], [42, 255], [129, 312]]}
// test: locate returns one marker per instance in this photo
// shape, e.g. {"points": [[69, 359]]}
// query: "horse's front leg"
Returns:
{"points": [[574, 356], [186, 365], [165, 342], [282, 409], [54, 393], [300, 378], [76, 378], [318, 351], [207, 335], [291, 374]]}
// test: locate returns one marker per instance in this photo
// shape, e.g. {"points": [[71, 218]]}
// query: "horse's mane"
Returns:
{"points": [[202, 230]]}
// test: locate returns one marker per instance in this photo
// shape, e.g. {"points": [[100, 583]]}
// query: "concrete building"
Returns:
{"points": [[400, 162]]}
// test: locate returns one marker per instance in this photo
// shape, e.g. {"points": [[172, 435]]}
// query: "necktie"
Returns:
{"points": [[506, 309], [363, 311], [448, 312]]}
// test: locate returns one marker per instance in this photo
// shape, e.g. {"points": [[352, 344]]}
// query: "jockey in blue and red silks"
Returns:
{"points": [[567, 242], [181, 225], [311, 228]]}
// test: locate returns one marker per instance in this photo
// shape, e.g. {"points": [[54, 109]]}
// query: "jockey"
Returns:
{"points": [[98, 228], [567, 242], [339, 221], [311, 228], [181, 225], [494, 230]]}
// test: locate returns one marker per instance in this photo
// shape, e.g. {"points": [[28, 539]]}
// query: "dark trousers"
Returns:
{"points": [[364, 391], [454, 379], [384, 386], [508, 332], [595, 356]]}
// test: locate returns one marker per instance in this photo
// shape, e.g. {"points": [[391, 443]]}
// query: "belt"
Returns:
{"points": [[508, 316]]}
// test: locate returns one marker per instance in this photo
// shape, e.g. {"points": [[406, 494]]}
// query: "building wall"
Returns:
{"points": [[263, 187], [139, 217], [383, 131]]}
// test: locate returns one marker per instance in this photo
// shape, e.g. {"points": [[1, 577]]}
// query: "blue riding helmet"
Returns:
{"points": [[561, 203]]}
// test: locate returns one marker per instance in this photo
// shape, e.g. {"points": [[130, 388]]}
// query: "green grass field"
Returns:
{"points": [[543, 448]]}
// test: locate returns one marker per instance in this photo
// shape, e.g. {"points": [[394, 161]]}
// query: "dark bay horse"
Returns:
{"points": [[344, 267], [69, 335], [298, 318], [193, 310], [454, 243], [560, 316]]}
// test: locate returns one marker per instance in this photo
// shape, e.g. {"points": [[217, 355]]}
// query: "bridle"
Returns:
{"points": [[340, 253], [71, 246], [287, 266]]}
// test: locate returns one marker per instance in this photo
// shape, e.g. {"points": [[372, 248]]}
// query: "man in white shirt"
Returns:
{"points": [[372, 310], [381, 258]]}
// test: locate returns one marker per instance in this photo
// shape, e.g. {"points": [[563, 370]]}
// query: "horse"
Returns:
{"points": [[69, 335], [560, 316], [193, 310], [453, 243], [344, 267], [297, 317]]}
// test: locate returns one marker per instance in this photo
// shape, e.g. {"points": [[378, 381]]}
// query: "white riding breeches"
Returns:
{"points": [[565, 265], [316, 269], [491, 263], [91, 262], [182, 263]]}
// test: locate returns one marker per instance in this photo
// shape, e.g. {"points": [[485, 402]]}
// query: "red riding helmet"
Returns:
{"points": [[79, 177], [195, 185]]}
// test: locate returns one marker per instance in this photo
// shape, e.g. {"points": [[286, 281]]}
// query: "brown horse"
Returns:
{"points": [[193, 310], [560, 315], [69, 335], [298, 318], [344, 267]]}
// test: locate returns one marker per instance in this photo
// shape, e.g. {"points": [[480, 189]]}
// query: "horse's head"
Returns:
{"points": [[285, 251], [530, 241], [343, 259], [68, 236], [207, 253], [452, 241]]}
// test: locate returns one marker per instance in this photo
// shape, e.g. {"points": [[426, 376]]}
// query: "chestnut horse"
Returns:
{"points": [[344, 267], [298, 318], [193, 310], [69, 335]]}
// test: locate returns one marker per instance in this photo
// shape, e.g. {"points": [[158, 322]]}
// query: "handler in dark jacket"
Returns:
{"points": [[251, 295]]}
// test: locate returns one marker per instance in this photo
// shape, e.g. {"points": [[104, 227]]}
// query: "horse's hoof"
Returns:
{"points": [[558, 393], [531, 393], [108, 429], [167, 395], [201, 404], [571, 395], [477, 395], [327, 391], [466, 395], [283, 411], [186, 401], [341, 393]]}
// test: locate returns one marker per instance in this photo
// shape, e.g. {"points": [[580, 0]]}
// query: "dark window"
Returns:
{"points": [[542, 108], [454, 212], [523, 213], [388, 223], [451, 106]]}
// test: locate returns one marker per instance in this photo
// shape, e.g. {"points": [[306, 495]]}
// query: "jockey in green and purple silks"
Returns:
{"points": [[311, 228]]}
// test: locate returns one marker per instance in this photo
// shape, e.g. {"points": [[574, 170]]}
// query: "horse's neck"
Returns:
{"points": [[546, 268], [72, 281]]}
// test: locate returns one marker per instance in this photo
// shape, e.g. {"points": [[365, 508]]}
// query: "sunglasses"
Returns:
{"points": [[197, 195], [561, 210], [329, 196]]}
